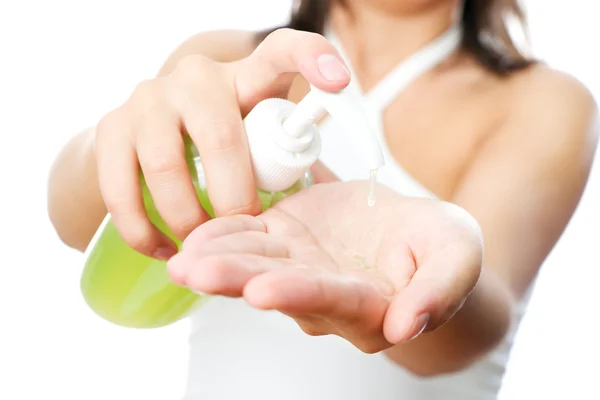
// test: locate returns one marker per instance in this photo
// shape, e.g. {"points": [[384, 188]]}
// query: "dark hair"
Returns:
{"points": [[486, 34]]}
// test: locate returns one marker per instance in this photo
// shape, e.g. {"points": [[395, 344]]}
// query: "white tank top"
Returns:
{"points": [[237, 352]]}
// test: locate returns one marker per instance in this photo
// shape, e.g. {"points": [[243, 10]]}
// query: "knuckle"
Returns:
{"points": [[157, 163], [109, 123], [187, 221], [192, 65], [138, 237], [139, 241], [194, 75], [226, 134], [114, 200], [147, 94], [145, 88]]}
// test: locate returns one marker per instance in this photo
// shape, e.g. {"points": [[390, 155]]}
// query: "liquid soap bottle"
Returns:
{"points": [[133, 290]]}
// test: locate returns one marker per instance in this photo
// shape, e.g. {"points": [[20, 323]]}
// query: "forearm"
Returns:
{"points": [[476, 329], [75, 205]]}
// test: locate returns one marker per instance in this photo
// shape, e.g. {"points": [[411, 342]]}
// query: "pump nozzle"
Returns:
{"points": [[284, 140], [344, 107]]}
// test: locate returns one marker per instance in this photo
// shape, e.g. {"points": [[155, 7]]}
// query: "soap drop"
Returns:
{"points": [[372, 186]]}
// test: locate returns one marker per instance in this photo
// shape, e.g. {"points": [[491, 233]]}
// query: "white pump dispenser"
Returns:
{"points": [[284, 139]]}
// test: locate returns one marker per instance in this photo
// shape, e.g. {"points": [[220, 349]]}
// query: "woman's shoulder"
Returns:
{"points": [[550, 106], [550, 90], [225, 45]]}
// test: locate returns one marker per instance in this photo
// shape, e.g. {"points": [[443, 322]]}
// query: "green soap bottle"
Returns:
{"points": [[133, 290]]}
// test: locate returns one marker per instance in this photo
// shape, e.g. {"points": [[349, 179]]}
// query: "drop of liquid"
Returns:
{"points": [[371, 199]]}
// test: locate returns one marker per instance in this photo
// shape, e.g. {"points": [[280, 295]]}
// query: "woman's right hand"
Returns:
{"points": [[207, 100]]}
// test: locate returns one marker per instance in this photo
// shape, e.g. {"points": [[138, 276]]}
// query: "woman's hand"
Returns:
{"points": [[376, 276], [207, 100]]}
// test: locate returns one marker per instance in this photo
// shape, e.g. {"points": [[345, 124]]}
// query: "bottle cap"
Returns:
{"points": [[284, 139]]}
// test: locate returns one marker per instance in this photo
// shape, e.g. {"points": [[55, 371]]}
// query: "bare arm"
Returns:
{"points": [[523, 189], [75, 205]]}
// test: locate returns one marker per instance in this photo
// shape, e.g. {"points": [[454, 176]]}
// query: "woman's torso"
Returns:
{"points": [[430, 130]]}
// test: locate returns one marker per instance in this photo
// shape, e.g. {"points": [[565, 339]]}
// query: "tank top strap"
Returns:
{"points": [[387, 89]]}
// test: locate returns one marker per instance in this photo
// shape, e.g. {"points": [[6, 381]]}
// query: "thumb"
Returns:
{"points": [[270, 70], [443, 280]]}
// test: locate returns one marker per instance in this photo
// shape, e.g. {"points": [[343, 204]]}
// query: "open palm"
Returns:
{"points": [[376, 276]]}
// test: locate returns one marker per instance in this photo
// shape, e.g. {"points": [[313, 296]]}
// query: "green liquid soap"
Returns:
{"points": [[132, 290]]}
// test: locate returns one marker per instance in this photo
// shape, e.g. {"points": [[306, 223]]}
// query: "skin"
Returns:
{"points": [[411, 262], [515, 153]]}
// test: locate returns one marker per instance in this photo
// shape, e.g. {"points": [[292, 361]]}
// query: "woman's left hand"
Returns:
{"points": [[376, 276]]}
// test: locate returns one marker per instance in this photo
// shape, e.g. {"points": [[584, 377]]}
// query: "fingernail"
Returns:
{"points": [[331, 68], [419, 326], [164, 253]]}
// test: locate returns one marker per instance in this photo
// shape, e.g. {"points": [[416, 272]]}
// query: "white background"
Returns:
{"points": [[63, 64]]}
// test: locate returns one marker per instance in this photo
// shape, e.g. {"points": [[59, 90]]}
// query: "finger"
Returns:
{"points": [[438, 289], [211, 116], [226, 274], [306, 291], [271, 68], [161, 155], [118, 175], [322, 174], [252, 242], [221, 227]]}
